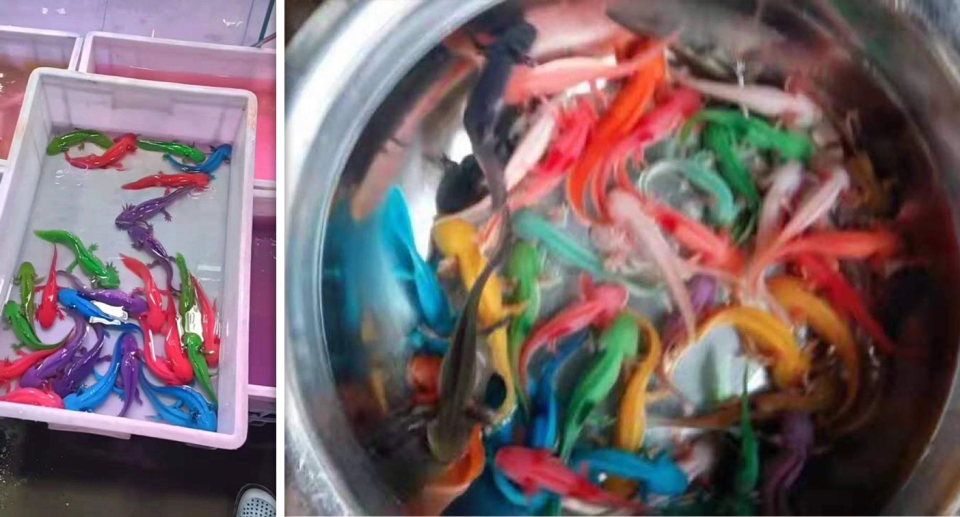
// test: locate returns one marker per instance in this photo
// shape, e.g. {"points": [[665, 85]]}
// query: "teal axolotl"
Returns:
{"points": [[619, 341], [531, 226], [102, 275]]}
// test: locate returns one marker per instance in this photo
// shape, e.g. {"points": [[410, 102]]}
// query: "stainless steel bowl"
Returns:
{"points": [[350, 84]]}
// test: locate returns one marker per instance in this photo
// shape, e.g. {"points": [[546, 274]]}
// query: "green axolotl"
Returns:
{"points": [[619, 341], [524, 267], [742, 501], [23, 329], [188, 296], [195, 353], [27, 280], [102, 275], [175, 148], [63, 142]]}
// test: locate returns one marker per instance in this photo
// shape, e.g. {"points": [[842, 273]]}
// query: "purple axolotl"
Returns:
{"points": [[781, 471], [133, 305], [81, 368], [41, 372], [143, 238], [134, 214], [129, 370]]}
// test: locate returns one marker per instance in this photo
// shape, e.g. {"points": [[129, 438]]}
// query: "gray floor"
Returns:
{"points": [[45, 472]]}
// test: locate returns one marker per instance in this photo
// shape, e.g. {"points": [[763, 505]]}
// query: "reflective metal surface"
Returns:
{"points": [[894, 64]]}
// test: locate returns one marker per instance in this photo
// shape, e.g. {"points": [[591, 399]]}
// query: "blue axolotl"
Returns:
{"points": [[199, 413], [221, 153], [432, 304], [660, 475], [546, 407], [90, 398], [71, 299]]}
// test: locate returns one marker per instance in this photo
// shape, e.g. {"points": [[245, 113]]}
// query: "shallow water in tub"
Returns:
{"points": [[86, 203]]}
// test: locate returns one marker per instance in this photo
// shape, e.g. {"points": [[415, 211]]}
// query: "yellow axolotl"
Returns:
{"points": [[457, 240]]}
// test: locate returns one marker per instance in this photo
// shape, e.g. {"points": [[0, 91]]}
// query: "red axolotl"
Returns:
{"points": [[33, 397], [49, 310], [536, 469], [154, 319], [12, 370], [173, 348], [122, 146], [169, 181], [160, 367], [208, 319], [599, 304]]}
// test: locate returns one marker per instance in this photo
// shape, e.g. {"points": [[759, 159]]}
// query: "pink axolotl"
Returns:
{"points": [[599, 305], [536, 469], [33, 397], [573, 129], [12, 370]]}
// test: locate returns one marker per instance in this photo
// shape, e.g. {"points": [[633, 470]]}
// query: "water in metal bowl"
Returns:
{"points": [[379, 100]]}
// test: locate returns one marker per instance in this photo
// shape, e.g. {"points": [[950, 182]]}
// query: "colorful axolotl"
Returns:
{"points": [[63, 142], [598, 305], [132, 305], [524, 267], [153, 315], [12, 370], [143, 239], [140, 214], [81, 367], [90, 398], [741, 500], [173, 347], [188, 296], [618, 342], [27, 279], [53, 366], [780, 472], [175, 148], [129, 368], [159, 367], [102, 275], [486, 98], [190, 409], [208, 319], [23, 329], [456, 239], [660, 475], [33, 397], [449, 434], [169, 181], [432, 304], [221, 153], [545, 421], [49, 310], [71, 299], [530, 225], [536, 469], [195, 353], [122, 146]]}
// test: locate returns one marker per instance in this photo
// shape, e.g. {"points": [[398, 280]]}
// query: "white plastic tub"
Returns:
{"points": [[213, 231], [201, 64], [31, 47]]}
